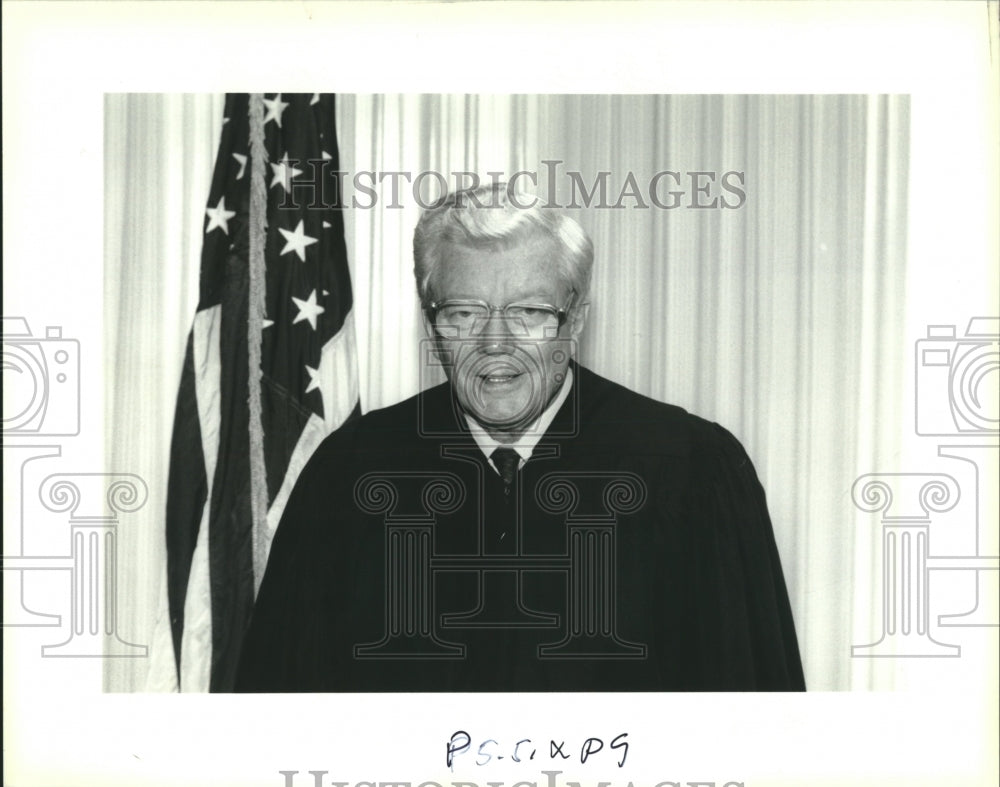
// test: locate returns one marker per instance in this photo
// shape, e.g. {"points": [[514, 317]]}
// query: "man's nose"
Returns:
{"points": [[496, 333]]}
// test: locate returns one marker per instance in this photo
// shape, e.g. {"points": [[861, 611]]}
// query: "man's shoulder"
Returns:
{"points": [[601, 396], [624, 427], [610, 411], [420, 414], [393, 427]]}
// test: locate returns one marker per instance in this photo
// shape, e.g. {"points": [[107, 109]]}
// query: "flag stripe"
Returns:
{"points": [[162, 675], [196, 645], [338, 375], [339, 385], [208, 370], [229, 534], [186, 472]]}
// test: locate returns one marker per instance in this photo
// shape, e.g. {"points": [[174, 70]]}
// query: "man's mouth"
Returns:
{"points": [[500, 375], [500, 378]]}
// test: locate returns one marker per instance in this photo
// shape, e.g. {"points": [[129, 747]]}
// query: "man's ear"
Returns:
{"points": [[425, 321], [578, 319]]}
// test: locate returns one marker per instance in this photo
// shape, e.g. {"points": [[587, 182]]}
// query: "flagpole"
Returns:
{"points": [[255, 326]]}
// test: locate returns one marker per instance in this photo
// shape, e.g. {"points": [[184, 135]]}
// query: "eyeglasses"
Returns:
{"points": [[463, 318]]}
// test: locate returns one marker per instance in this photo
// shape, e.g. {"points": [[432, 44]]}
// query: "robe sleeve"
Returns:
{"points": [[287, 646], [755, 646]]}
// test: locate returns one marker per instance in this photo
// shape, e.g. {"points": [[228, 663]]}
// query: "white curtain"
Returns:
{"points": [[159, 152], [768, 317]]}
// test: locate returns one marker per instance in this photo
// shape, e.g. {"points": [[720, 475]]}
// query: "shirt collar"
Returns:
{"points": [[525, 444]]}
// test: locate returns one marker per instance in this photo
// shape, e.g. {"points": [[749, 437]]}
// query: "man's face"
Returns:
{"points": [[504, 374]]}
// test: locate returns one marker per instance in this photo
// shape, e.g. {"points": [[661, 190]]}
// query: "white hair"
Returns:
{"points": [[495, 216]]}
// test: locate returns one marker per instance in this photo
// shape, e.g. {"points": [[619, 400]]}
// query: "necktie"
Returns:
{"points": [[506, 461]]}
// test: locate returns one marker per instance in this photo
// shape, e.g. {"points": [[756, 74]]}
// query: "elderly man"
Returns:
{"points": [[527, 525]]}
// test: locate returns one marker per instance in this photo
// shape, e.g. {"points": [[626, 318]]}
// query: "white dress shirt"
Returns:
{"points": [[525, 444]]}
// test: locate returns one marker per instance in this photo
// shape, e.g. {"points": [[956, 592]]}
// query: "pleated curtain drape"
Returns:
{"points": [[767, 316]]}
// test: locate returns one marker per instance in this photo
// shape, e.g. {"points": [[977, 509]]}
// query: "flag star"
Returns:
{"points": [[243, 164], [275, 108], [225, 120], [315, 99], [308, 310], [313, 378], [325, 293], [326, 225], [297, 241], [219, 217], [283, 174]]}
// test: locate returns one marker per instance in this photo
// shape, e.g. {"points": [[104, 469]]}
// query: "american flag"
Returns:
{"points": [[308, 384]]}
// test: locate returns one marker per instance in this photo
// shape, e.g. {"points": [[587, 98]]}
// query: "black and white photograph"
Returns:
{"points": [[501, 421]]}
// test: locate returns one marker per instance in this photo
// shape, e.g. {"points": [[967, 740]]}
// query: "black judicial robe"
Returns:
{"points": [[633, 552]]}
